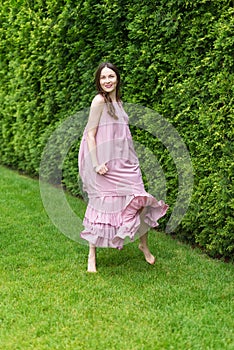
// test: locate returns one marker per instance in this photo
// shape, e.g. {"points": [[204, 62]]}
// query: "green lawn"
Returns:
{"points": [[49, 301]]}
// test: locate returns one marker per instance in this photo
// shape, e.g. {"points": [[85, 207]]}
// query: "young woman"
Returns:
{"points": [[119, 208]]}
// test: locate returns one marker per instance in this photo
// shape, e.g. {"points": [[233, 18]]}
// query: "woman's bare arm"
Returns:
{"points": [[92, 126]]}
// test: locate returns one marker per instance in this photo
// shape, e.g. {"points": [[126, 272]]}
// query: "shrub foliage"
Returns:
{"points": [[176, 57]]}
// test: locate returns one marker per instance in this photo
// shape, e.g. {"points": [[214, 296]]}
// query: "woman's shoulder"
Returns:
{"points": [[98, 100]]}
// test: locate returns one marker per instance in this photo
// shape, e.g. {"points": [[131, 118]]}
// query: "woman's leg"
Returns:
{"points": [[92, 259], [143, 246]]}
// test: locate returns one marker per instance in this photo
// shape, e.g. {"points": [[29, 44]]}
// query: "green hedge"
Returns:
{"points": [[175, 56]]}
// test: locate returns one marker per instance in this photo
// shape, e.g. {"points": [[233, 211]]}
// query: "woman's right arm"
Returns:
{"points": [[92, 126]]}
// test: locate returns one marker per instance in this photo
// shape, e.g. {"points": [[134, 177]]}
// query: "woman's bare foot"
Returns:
{"points": [[148, 256], [92, 264]]}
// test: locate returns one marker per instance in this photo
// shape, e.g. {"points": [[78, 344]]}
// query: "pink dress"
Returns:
{"points": [[119, 209]]}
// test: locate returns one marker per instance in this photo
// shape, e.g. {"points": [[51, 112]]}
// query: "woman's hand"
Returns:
{"points": [[101, 169]]}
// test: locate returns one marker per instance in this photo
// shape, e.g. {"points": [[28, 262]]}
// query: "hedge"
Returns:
{"points": [[176, 58]]}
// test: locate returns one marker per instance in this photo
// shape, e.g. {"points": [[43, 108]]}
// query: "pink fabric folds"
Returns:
{"points": [[117, 199]]}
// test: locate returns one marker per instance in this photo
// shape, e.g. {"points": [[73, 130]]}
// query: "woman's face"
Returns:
{"points": [[108, 80]]}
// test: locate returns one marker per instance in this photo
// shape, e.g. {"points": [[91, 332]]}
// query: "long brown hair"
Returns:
{"points": [[107, 98]]}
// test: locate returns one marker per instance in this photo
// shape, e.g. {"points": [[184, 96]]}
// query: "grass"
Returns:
{"points": [[49, 301]]}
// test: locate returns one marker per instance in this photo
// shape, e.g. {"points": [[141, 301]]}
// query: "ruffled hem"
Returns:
{"points": [[123, 222]]}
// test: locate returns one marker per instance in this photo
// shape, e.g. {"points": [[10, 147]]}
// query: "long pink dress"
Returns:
{"points": [[118, 206]]}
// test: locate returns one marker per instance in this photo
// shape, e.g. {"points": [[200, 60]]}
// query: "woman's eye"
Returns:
{"points": [[109, 77]]}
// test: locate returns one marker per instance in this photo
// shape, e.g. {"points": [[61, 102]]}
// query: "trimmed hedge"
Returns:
{"points": [[176, 57]]}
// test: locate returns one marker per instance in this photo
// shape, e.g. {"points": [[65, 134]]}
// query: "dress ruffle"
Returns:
{"points": [[111, 228]]}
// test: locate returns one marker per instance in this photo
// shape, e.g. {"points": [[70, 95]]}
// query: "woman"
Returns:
{"points": [[119, 208]]}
